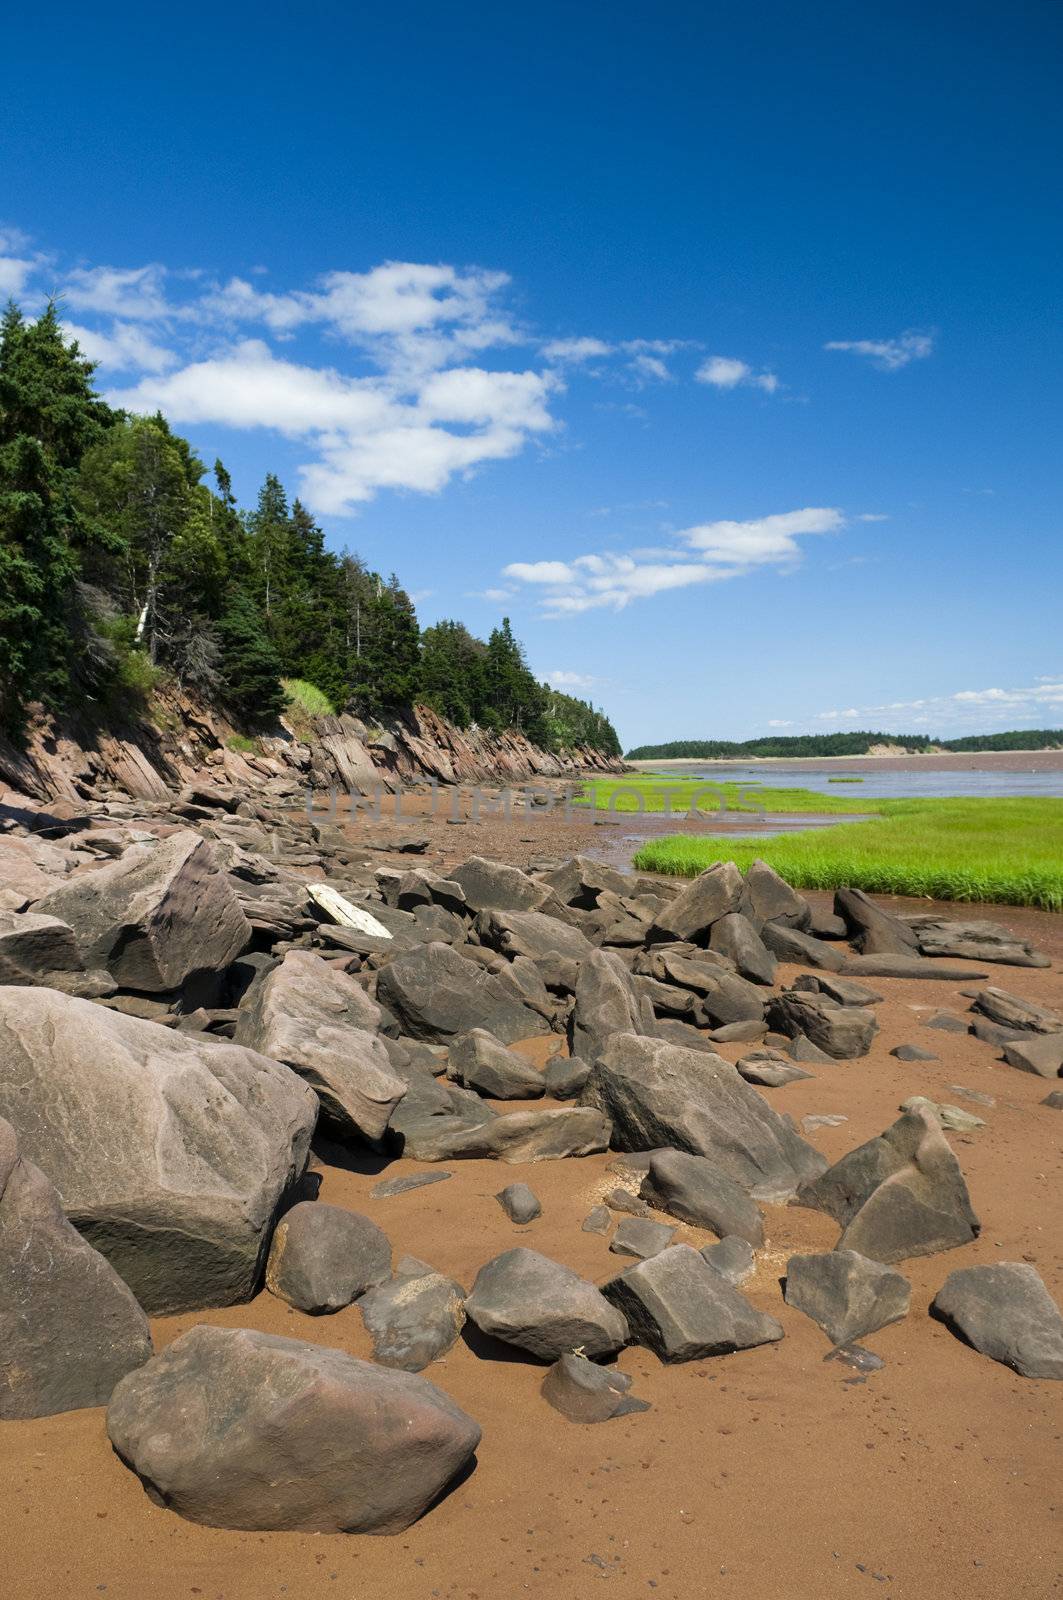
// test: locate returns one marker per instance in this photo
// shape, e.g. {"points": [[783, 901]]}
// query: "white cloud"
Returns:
{"points": [[873, 516], [779, 722], [721, 550], [570, 680], [497, 595], [966, 707], [126, 348], [134, 293], [15, 272], [727, 372], [889, 355], [576, 350]]}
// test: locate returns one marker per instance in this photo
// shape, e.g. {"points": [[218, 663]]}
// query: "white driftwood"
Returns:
{"points": [[342, 911]]}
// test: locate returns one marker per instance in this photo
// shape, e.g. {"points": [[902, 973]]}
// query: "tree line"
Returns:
{"points": [[121, 565], [841, 744]]}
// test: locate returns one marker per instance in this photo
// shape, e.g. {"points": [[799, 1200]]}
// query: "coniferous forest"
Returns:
{"points": [[124, 564]]}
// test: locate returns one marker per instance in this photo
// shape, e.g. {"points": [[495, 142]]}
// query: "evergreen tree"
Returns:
{"points": [[453, 672], [251, 675]]}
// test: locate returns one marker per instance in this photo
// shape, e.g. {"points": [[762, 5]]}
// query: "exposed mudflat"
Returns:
{"points": [[768, 1475]]}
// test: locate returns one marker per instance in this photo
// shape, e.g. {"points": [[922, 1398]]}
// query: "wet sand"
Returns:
{"points": [[946, 760], [767, 1475]]}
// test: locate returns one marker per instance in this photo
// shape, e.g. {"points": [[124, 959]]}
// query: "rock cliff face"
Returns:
{"points": [[68, 759]]}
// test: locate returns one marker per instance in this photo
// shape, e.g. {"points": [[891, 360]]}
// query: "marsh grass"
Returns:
{"points": [[660, 794], [1008, 851]]}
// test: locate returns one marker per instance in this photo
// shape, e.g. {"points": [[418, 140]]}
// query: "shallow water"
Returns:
{"points": [[913, 783]]}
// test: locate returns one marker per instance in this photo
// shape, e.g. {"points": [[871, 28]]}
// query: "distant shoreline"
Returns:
{"points": [[944, 760]]}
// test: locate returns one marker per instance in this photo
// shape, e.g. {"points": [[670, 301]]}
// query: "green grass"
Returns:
{"points": [[306, 698], [1008, 851], [622, 795], [845, 780]]}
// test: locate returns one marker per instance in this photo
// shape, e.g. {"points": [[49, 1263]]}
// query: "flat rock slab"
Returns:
{"points": [[913, 1052], [848, 1295], [846, 991], [323, 1257], [658, 1094], [1041, 1054], [771, 1072], [238, 1429], [527, 1300], [641, 1237], [899, 1195], [1013, 1011], [732, 1258], [801, 949], [682, 1309], [404, 1183], [1005, 1312], [170, 1152], [69, 1327], [694, 1189], [436, 993], [908, 966], [416, 1318], [478, 1061], [584, 1392], [951, 1117]]}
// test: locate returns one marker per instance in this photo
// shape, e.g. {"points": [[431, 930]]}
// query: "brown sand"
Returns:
{"points": [[768, 1475]]}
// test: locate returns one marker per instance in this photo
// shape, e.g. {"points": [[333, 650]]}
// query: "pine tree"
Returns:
{"points": [[251, 674]]}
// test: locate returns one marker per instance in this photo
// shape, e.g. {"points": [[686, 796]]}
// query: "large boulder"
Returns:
{"points": [[1013, 1011], [848, 1295], [899, 1195], [843, 1032], [736, 936], [846, 991], [170, 1152], [694, 1189], [584, 1392], [157, 916], [414, 1319], [238, 1429], [682, 1309], [556, 948], [321, 1023], [712, 895], [873, 930], [1005, 1311], [527, 1300], [42, 951], [323, 1257], [799, 948], [1040, 1053], [658, 1094], [975, 940], [729, 998], [436, 993], [477, 1061], [768, 898], [606, 1003], [69, 1326], [495, 886]]}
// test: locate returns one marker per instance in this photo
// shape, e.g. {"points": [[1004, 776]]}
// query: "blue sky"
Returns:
{"points": [[719, 347]]}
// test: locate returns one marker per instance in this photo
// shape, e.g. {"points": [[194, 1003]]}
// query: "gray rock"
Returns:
{"points": [[974, 1095], [738, 1033], [992, 1033], [843, 1032], [732, 1258], [597, 1220], [606, 1003], [1005, 1312], [641, 1237], [494, 886], [976, 940], [695, 1190], [768, 898], [952, 1117], [621, 1199], [156, 917], [584, 1392], [579, 882], [434, 1119], [416, 1318], [846, 991], [1054, 1100], [658, 1094], [873, 930], [565, 1077], [527, 1300], [913, 1052], [521, 1204], [170, 1152], [712, 895], [735, 936], [323, 1257], [822, 1119], [899, 1195], [730, 999], [69, 1326], [555, 947], [907, 966], [478, 1061], [1041, 1054], [682, 1309], [848, 1295], [436, 993], [946, 1022], [772, 1072], [801, 949], [802, 1049], [237, 1429], [440, 1122], [42, 951], [826, 925], [321, 1023]]}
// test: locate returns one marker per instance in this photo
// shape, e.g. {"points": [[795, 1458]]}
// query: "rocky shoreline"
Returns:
{"points": [[315, 1147]]}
